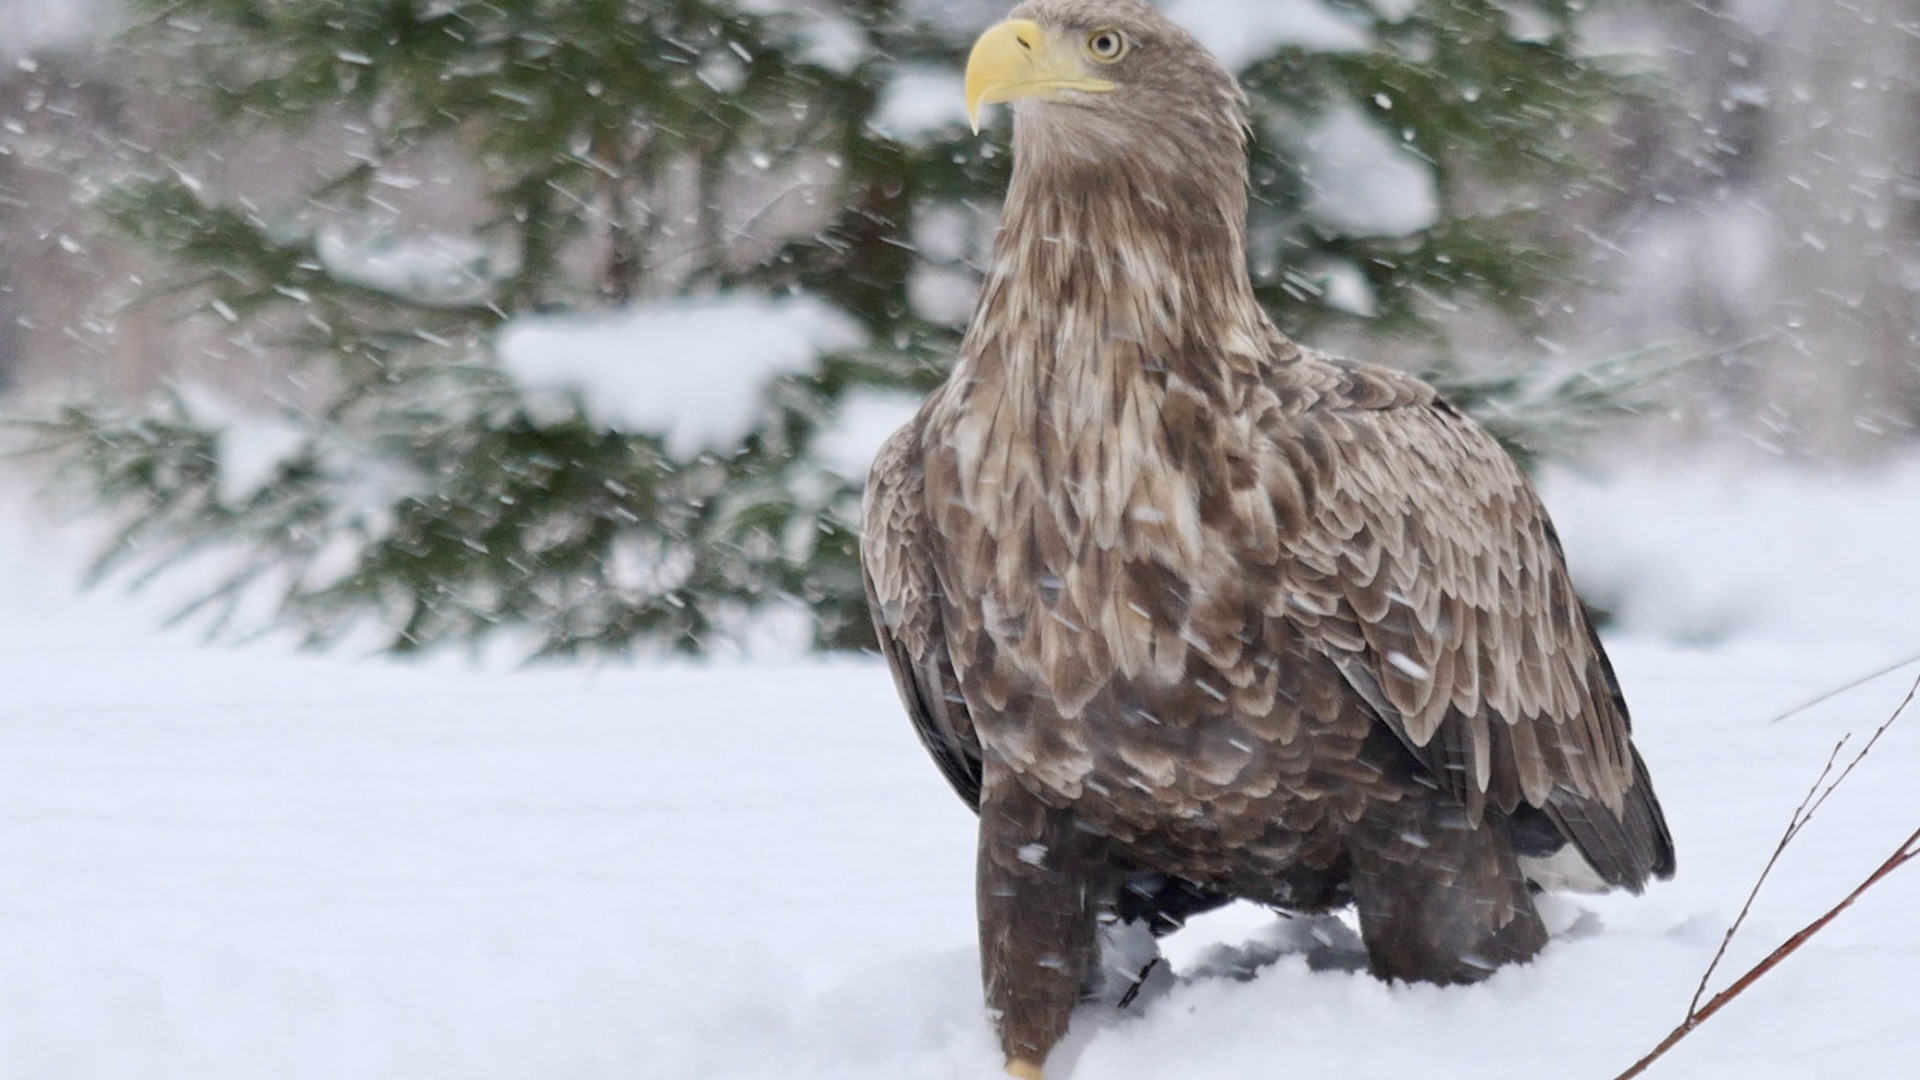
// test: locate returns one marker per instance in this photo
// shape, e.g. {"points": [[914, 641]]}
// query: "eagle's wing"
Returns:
{"points": [[904, 598], [1424, 565]]}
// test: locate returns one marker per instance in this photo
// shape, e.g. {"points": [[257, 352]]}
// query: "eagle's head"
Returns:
{"points": [[1126, 213], [1099, 78]]}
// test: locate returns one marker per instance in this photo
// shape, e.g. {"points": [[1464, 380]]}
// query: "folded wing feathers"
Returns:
{"points": [[1470, 634], [903, 600]]}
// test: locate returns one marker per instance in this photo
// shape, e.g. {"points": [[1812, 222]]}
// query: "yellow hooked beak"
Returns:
{"points": [[1017, 59]]}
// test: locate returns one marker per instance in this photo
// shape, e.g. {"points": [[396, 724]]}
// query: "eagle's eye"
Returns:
{"points": [[1107, 45]]}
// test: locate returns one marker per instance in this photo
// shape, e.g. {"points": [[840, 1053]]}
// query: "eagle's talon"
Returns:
{"points": [[1023, 1070]]}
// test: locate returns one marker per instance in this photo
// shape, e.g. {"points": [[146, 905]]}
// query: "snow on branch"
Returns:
{"points": [[692, 371], [1242, 31]]}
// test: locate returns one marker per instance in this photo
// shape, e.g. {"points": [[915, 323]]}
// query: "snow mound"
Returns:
{"points": [[1710, 551]]}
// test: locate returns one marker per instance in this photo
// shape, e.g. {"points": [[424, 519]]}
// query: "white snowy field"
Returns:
{"points": [[242, 864]]}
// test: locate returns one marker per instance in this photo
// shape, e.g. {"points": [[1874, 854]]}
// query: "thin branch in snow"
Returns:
{"points": [[1838, 690], [1907, 851], [1816, 795], [1800, 814]]}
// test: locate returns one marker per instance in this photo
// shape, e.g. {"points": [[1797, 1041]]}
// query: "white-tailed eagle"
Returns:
{"points": [[1189, 612]]}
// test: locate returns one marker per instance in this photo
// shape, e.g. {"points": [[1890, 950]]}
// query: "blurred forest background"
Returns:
{"points": [[575, 320]]}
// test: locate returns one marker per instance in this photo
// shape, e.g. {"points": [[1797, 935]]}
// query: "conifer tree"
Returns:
{"points": [[661, 156]]}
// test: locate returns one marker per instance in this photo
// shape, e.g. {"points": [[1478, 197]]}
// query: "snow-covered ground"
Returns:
{"points": [[241, 864]]}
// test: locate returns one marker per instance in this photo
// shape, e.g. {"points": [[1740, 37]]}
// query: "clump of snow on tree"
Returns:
{"points": [[1346, 288], [920, 101], [1242, 31], [691, 371], [29, 25], [866, 418], [834, 44], [949, 239], [825, 40], [1361, 182], [1394, 11], [253, 445], [436, 269]]}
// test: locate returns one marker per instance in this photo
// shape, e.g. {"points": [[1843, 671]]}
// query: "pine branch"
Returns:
{"points": [[1907, 851]]}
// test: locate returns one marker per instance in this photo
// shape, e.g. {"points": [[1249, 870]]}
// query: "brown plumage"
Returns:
{"points": [[1189, 612]]}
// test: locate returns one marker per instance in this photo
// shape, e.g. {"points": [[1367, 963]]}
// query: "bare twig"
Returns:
{"points": [[1793, 829], [1816, 795], [1909, 849], [1838, 690], [1857, 758]]}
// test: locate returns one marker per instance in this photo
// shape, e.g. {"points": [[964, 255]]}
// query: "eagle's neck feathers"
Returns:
{"points": [[1105, 411], [1116, 337], [1140, 244]]}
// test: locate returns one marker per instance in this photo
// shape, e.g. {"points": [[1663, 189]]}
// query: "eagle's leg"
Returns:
{"points": [[1038, 904], [1439, 899]]}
